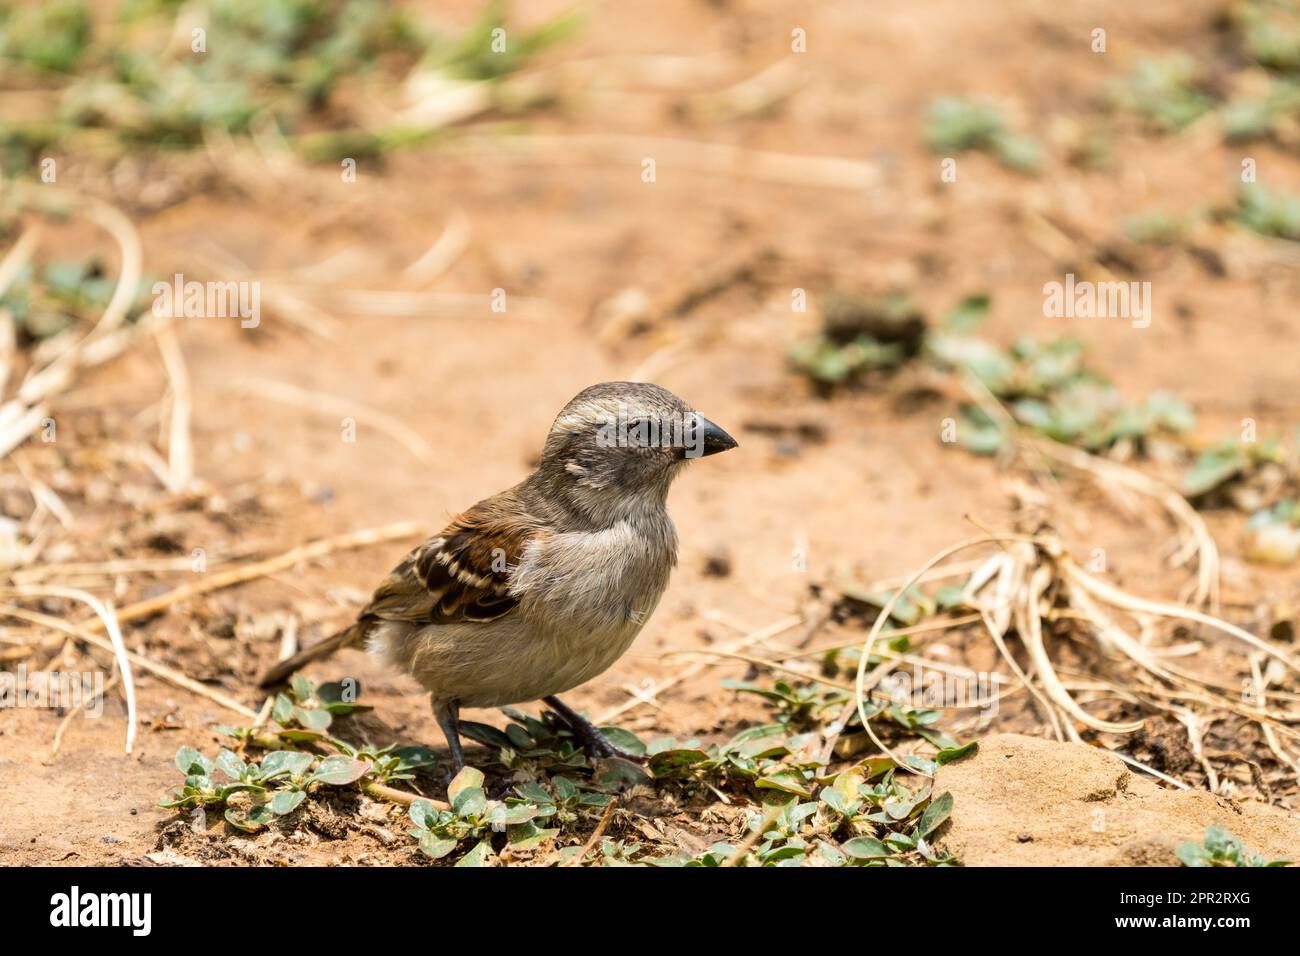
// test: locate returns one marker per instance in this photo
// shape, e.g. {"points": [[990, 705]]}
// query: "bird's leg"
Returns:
{"points": [[593, 741], [447, 714]]}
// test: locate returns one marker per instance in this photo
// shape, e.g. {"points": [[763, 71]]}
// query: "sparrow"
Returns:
{"points": [[538, 589]]}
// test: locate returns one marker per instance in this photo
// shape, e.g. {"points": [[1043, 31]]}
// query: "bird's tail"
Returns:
{"points": [[348, 637]]}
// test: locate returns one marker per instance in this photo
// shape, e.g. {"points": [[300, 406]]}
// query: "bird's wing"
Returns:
{"points": [[460, 575]]}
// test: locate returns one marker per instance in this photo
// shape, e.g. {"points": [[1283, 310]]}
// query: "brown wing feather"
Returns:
{"points": [[462, 574]]}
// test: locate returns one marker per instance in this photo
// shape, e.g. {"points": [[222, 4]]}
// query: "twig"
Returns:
{"points": [[247, 572], [1270, 736], [159, 670], [180, 446], [104, 614], [595, 834], [1112, 595], [753, 836], [19, 254], [860, 689], [439, 257], [1151, 770], [109, 568], [402, 797], [734, 162]]}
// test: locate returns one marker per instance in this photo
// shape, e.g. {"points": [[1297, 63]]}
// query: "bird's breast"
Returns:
{"points": [[603, 583]]}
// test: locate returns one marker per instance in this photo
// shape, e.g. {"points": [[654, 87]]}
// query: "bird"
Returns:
{"points": [[536, 590]]}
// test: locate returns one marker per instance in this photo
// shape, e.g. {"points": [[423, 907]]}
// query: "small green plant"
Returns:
{"points": [[277, 784], [1268, 212], [955, 124], [1269, 31], [544, 743], [1229, 461], [554, 795], [474, 57], [48, 298], [1050, 390], [274, 65], [52, 35], [1221, 848], [566, 801], [306, 711], [257, 790], [1273, 533], [860, 334], [473, 818], [852, 822], [1159, 227], [199, 788], [1261, 116], [1167, 93]]}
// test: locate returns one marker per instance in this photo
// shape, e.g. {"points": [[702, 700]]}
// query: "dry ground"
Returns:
{"points": [[873, 498]]}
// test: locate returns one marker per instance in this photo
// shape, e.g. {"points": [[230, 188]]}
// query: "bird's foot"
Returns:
{"points": [[595, 743], [598, 745]]}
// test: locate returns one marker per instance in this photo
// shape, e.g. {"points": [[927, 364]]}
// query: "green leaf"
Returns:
{"points": [[190, 762], [624, 739], [924, 764], [283, 709], [281, 762], [286, 801], [1214, 467], [298, 735], [935, 814], [249, 819], [784, 855], [865, 848], [502, 814], [313, 719], [421, 812], [953, 754], [1192, 854], [667, 763], [485, 734], [838, 802], [525, 836], [787, 780], [968, 314], [565, 789], [468, 779], [436, 847], [481, 855], [469, 802], [302, 687], [339, 770], [831, 855], [230, 764], [415, 758], [340, 697]]}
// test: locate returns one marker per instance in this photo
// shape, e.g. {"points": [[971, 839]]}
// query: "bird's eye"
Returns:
{"points": [[641, 433]]}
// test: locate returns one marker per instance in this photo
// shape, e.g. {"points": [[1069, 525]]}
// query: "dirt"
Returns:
{"points": [[859, 486], [1025, 801]]}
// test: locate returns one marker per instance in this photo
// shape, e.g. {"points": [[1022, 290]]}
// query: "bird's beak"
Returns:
{"points": [[709, 439]]}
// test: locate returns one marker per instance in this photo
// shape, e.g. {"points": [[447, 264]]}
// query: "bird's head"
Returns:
{"points": [[625, 440]]}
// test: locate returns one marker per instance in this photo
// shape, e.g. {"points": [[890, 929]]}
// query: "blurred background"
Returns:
{"points": [[828, 227]]}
